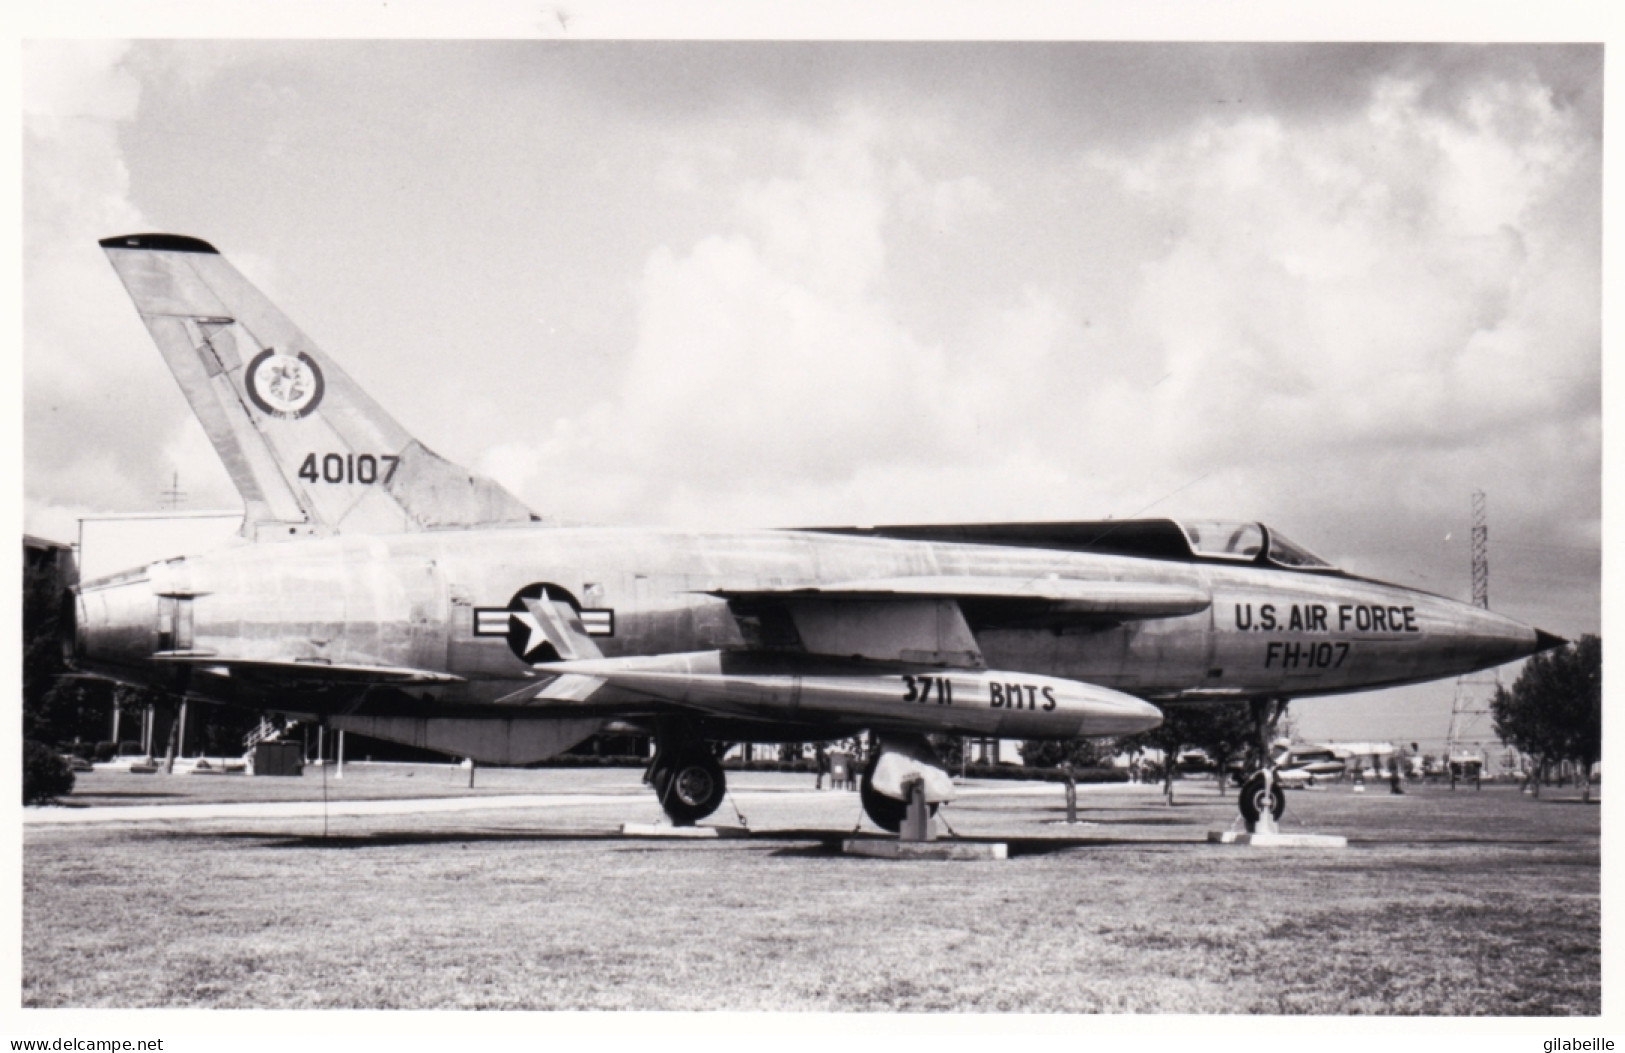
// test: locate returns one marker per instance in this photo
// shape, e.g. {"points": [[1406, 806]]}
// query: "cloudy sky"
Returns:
{"points": [[1331, 287]]}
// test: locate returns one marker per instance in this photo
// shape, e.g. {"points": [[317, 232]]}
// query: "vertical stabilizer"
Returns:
{"points": [[310, 452]]}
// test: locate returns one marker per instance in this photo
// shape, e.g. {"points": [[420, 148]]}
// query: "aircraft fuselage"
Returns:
{"points": [[450, 602]]}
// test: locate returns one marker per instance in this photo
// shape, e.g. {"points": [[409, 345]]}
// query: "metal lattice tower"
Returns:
{"points": [[1470, 722], [1481, 552], [173, 497]]}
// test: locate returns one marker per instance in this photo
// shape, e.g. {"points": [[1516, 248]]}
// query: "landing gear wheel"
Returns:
{"points": [[885, 812], [1254, 799], [690, 785]]}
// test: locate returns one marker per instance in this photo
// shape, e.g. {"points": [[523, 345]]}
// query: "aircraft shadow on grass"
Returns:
{"points": [[805, 843], [93, 800]]}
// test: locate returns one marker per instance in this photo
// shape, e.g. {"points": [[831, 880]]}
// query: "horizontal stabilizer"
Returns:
{"points": [[570, 687], [518, 741]]}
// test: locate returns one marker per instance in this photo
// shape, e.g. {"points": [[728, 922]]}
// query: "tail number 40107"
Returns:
{"points": [[363, 468]]}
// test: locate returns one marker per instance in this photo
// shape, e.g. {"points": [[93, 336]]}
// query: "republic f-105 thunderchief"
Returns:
{"points": [[385, 591]]}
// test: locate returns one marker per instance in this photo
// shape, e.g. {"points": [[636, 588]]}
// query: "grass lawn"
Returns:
{"points": [[1445, 903]]}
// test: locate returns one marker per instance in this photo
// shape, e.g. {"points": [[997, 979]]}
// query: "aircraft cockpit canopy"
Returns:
{"points": [[1182, 541], [1217, 539], [1285, 553], [1240, 541]]}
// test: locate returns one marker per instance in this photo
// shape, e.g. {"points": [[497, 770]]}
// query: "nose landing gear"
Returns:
{"points": [[1261, 796], [1261, 799]]}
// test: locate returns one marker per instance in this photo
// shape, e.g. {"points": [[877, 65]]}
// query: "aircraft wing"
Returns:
{"points": [[932, 619], [1115, 600], [300, 670]]}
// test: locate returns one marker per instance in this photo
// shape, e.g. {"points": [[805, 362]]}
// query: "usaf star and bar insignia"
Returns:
{"points": [[540, 621]]}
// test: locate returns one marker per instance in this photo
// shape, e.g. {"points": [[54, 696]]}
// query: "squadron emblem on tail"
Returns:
{"points": [[283, 385]]}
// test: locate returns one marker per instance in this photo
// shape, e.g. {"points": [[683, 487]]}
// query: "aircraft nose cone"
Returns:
{"points": [[1486, 639], [1545, 641]]}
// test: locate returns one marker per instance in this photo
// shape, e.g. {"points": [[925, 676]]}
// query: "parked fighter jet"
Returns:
{"points": [[1300, 766], [385, 591]]}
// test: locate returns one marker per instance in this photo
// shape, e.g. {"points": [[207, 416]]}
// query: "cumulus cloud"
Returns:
{"points": [[773, 380], [105, 425], [941, 204], [1374, 289], [1385, 306], [67, 80], [768, 358]]}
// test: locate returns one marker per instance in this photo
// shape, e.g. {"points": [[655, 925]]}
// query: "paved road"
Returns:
{"points": [[291, 809]]}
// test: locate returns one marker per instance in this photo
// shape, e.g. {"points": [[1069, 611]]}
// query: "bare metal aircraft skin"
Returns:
{"points": [[386, 591]]}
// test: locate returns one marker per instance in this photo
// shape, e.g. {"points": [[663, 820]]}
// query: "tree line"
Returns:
{"points": [[1553, 713]]}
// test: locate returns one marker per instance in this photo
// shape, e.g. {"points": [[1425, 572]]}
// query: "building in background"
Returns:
{"points": [[119, 541]]}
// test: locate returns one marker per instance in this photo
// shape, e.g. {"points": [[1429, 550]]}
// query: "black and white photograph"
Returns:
{"points": [[546, 517]]}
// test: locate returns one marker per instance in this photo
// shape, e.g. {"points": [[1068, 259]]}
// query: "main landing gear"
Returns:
{"points": [[895, 760], [687, 778], [885, 812], [689, 782]]}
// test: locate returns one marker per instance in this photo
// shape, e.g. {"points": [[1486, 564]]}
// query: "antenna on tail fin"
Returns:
{"points": [[308, 450]]}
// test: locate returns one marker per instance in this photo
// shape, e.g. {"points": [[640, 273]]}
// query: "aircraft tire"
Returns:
{"points": [[1253, 800], [885, 812], [691, 786]]}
